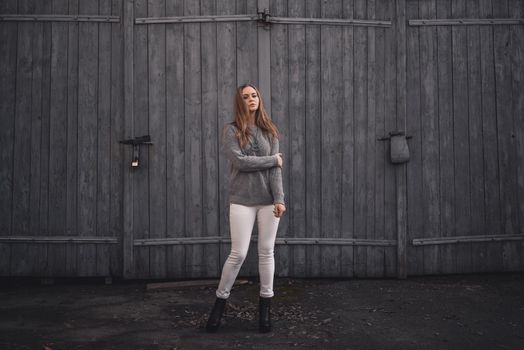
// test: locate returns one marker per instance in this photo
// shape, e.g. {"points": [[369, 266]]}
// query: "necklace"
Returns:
{"points": [[255, 146]]}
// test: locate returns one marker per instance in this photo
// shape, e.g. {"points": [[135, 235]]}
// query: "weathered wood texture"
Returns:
{"points": [[61, 119], [69, 91], [330, 100], [182, 101], [465, 112], [311, 102]]}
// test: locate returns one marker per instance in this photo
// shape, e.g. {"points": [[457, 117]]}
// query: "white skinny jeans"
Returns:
{"points": [[241, 221]]}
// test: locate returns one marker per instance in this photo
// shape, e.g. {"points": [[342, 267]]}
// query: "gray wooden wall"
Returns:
{"points": [[72, 206], [466, 110], [61, 114]]}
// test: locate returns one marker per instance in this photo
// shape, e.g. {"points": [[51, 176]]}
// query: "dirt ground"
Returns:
{"points": [[445, 312]]}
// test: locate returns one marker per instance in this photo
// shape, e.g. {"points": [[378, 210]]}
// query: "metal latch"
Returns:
{"points": [[136, 142], [399, 150]]}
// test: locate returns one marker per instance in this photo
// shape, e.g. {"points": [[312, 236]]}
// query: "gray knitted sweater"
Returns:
{"points": [[256, 178]]}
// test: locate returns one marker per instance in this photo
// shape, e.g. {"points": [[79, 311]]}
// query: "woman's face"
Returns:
{"points": [[251, 99]]}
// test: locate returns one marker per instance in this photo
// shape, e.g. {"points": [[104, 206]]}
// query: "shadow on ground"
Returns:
{"points": [[444, 312]]}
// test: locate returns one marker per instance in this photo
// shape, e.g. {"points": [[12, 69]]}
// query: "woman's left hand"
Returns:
{"points": [[279, 209]]}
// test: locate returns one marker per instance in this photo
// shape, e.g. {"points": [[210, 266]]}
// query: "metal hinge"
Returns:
{"points": [[264, 16]]}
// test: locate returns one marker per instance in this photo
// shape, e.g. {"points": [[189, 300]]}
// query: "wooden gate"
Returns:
{"points": [[61, 119], [77, 77], [330, 86], [466, 107]]}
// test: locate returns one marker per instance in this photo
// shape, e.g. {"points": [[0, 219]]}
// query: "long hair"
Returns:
{"points": [[262, 119]]}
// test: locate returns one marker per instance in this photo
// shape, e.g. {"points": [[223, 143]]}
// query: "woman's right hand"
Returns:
{"points": [[279, 159]]}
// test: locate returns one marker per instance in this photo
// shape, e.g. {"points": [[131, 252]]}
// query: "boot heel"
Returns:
{"points": [[264, 312], [216, 315]]}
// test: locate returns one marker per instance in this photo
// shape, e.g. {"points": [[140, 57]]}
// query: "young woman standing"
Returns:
{"points": [[251, 145]]}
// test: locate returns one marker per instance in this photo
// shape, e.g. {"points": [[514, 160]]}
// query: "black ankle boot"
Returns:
{"points": [[216, 314], [264, 312]]}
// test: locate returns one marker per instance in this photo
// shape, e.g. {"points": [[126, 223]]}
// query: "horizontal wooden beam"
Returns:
{"points": [[466, 239], [329, 21], [465, 21], [280, 241], [264, 19], [58, 18], [58, 239], [196, 19], [337, 241]]}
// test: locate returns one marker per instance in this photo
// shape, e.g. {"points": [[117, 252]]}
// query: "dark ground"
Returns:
{"points": [[446, 312]]}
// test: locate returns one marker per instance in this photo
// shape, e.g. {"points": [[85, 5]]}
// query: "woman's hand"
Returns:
{"points": [[280, 161], [279, 210]]}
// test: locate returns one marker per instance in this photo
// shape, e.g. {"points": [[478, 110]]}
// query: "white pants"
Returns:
{"points": [[241, 221]]}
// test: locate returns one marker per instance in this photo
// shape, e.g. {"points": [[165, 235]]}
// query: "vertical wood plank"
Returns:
{"points": [[381, 162], [297, 132], [517, 73], [313, 150], [371, 120], [476, 141], [264, 55], [175, 139], [156, 50], [279, 114], [117, 132], [362, 209], [348, 144], [57, 253], [210, 133], [492, 221], [38, 252], [8, 38], [128, 230], [104, 141], [390, 256], [45, 131], [193, 138], [414, 170], [58, 126], [331, 158], [430, 136], [87, 137], [246, 44], [461, 136], [20, 259], [401, 122], [71, 147], [374, 255], [448, 253], [226, 84], [141, 181], [505, 128]]}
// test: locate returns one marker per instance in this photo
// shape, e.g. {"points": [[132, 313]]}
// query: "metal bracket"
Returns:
{"points": [[136, 142], [264, 18], [264, 15], [394, 133]]}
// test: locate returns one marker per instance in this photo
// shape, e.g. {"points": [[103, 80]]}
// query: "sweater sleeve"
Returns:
{"points": [[275, 176], [241, 161]]}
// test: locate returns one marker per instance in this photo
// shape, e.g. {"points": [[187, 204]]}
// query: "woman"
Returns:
{"points": [[251, 145]]}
